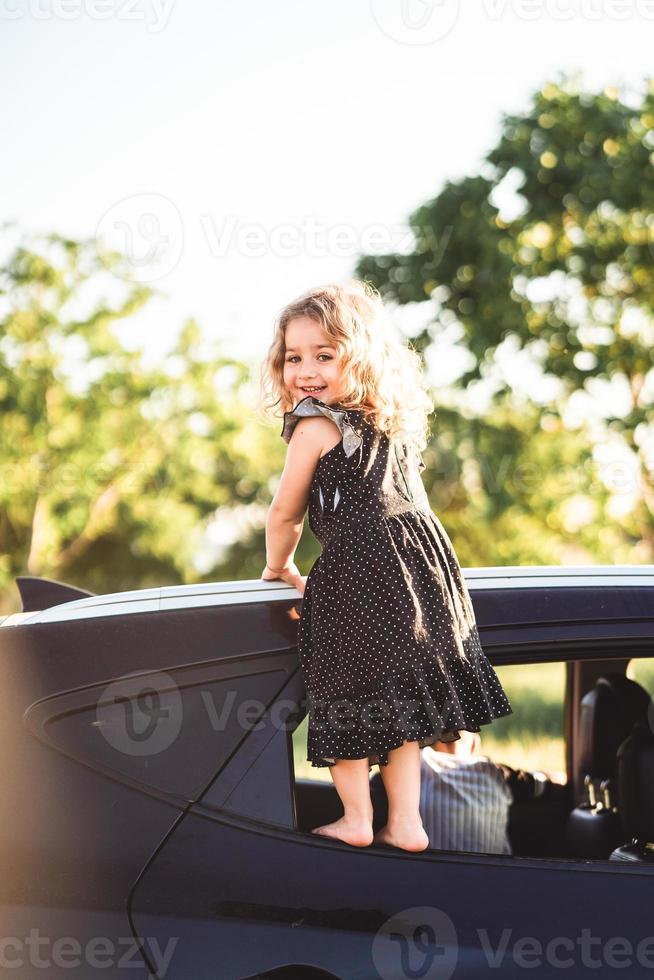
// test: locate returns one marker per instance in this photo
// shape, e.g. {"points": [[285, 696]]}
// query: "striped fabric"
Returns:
{"points": [[464, 802]]}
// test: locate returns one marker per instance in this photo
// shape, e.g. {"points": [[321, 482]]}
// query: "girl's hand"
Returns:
{"points": [[290, 574]]}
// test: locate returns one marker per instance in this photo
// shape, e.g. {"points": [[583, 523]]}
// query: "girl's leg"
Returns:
{"points": [[401, 779], [351, 779]]}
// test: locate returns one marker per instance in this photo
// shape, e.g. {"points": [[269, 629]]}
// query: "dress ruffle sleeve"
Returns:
{"points": [[311, 405]]}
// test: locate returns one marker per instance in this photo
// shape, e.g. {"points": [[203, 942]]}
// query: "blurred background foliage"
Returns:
{"points": [[546, 253], [112, 471], [119, 474]]}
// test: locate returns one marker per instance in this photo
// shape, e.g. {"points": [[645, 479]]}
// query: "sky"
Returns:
{"points": [[241, 152]]}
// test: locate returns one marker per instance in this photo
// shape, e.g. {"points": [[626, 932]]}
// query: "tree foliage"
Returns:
{"points": [[548, 251], [112, 470]]}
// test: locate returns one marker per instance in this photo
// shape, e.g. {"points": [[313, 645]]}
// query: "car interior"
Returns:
{"points": [[602, 811]]}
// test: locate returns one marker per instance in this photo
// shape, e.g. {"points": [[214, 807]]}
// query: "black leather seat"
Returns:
{"points": [[608, 713], [636, 788]]}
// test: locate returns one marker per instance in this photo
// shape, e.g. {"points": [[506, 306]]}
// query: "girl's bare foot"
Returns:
{"points": [[355, 832], [408, 837]]}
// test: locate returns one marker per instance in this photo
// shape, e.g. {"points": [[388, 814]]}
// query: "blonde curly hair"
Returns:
{"points": [[382, 376]]}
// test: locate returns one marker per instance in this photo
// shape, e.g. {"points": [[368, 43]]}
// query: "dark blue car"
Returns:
{"points": [[151, 823]]}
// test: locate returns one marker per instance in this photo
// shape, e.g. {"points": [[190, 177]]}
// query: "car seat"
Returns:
{"points": [[636, 787], [608, 713]]}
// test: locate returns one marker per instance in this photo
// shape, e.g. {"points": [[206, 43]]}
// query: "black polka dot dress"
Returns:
{"points": [[387, 638]]}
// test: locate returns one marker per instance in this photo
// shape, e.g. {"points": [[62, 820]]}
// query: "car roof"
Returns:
{"points": [[599, 591]]}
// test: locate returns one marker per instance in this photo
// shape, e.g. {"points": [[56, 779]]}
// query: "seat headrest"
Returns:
{"points": [[636, 782], [608, 713]]}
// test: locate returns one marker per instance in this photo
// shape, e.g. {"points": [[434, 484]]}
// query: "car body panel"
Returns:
{"points": [[198, 840]]}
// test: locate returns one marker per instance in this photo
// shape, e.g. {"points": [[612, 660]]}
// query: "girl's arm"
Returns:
{"points": [[285, 519]]}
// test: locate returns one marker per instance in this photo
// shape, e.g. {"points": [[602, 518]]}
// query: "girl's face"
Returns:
{"points": [[311, 363]]}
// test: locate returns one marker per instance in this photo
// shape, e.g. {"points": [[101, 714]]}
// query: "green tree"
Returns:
{"points": [[111, 471], [548, 253]]}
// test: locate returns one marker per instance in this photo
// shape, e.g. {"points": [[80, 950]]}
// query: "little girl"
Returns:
{"points": [[387, 638]]}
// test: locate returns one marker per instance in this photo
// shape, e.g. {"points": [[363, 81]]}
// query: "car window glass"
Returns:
{"points": [[532, 737]]}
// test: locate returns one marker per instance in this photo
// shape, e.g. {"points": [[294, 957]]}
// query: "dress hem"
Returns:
{"points": [[440, 717]]}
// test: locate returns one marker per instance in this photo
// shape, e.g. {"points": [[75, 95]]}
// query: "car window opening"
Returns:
{"points": [[534, 784]]}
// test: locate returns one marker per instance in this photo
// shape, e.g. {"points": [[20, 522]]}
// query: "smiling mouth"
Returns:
{"points": [[313, 389]]}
